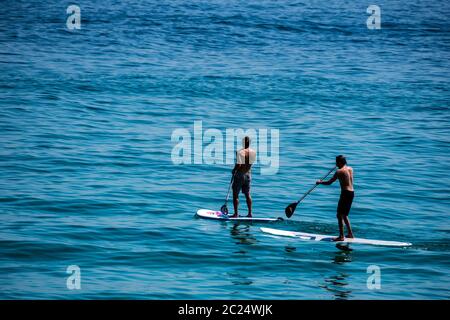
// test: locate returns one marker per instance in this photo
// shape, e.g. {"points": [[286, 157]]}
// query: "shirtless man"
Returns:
{"points": [[345, 176], [242, 176]]}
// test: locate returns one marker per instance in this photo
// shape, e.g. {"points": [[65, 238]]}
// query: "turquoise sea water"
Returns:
{"points": [[85, 160]]}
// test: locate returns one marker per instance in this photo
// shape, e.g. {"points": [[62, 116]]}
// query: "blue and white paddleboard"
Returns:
{"points": [[321, 237], [217, 215]]}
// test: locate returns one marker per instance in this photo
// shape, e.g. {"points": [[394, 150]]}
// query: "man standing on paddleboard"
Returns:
{"points": [[345, 176], [245, 157]]}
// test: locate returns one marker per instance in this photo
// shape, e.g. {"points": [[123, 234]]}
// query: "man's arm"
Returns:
{"points": [[327, 183]]}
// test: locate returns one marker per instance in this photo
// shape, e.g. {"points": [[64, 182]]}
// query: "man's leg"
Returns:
{"points": [[339, 217], [248, 198], [347, 207], [341, 228], [246, 191], [235, 204], [236, 187], [349, 227]]}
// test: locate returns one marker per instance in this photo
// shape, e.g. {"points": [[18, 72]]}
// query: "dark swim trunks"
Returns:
{"points": [[345, 202], [242, 182]]}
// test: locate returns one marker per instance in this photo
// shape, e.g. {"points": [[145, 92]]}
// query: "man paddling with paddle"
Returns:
{"points": [[345, 176], [242, 176]]}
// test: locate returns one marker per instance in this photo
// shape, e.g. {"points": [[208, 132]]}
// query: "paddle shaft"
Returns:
{"points": [[229, 188], [310, 190]]}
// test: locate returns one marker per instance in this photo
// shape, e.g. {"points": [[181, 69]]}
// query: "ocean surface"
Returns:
{"points": [[86, 124]]}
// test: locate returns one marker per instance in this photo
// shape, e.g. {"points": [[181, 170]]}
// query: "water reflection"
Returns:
{"points": [[241, 234], [337, 284], [343, 256]]}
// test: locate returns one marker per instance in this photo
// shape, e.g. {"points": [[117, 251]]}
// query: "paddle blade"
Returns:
{"points": [[224, 209], [289, 211]]}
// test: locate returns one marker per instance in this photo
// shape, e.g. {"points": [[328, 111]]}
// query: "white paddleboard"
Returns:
{"points": [[321, 237], [211, 214]]}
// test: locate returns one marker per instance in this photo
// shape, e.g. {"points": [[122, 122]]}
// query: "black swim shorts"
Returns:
{"points": [[242, 182], [345, 202]]}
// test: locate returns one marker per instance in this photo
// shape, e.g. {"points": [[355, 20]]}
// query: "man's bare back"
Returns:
{"points": [[245, 158], [345, 176]]}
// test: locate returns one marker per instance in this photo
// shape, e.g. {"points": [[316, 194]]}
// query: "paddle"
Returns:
{"points": [[224, 208], [289, 211]]}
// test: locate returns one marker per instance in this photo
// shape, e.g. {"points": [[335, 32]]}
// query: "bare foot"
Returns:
{"points": [[234, 216], [339, 239], [350, 235]]}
